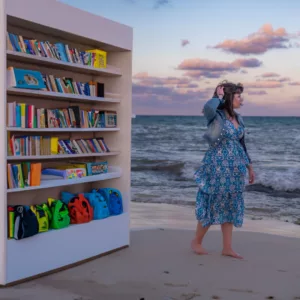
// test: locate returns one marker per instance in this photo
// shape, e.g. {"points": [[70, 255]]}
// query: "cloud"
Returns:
{"points": [[158, 94], [197, 67], [146, 80], [281, 79], [295, 83], [273, 77], [244, 72], [265, 39], [159, 3], [184, 42], [159, 91], [187, 86], [204, 74], [284, 79], [257, 93], [269, 74], [267, 84]]}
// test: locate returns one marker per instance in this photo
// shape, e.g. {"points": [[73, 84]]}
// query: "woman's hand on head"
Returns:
{"points": [[220, 91]]}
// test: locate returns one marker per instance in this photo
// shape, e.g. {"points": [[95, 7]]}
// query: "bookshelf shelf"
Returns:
{"points": [[59, 96], [113, 172], [15, 129], [61, 156], [58, 64], [20, 260], [25, 255]]}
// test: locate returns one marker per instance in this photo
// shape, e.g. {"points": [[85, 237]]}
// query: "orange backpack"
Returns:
{"points": [[80, 210]]}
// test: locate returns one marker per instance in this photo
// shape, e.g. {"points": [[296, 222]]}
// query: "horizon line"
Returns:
{"points": [[252, 116]]}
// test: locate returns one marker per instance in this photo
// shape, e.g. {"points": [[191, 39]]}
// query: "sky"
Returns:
{"points": [[183, 48]]}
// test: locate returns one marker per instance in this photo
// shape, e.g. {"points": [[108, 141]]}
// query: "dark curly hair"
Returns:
{"points": [[230, 89]]}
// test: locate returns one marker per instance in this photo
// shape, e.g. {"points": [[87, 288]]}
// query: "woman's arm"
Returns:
{"points": [[210, 108], [242, 141]]}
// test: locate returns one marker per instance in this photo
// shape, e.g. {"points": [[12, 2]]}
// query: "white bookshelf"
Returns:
{"points": [[21, 259]]}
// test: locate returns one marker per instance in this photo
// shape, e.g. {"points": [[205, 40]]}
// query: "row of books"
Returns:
{"points": [[60, 51], [69, 86], [46, 145], [21, 78], [23, 175], [23, 115]]}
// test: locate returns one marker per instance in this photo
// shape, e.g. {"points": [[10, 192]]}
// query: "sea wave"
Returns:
{"points": [[166, 166], [278, 182]]}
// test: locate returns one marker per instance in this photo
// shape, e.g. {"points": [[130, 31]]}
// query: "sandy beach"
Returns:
{"points": [[159, 264]]}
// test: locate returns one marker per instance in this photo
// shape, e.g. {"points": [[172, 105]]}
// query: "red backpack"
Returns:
{"points": [[80, 210]]}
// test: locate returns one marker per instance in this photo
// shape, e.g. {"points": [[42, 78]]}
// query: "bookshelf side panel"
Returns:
{"points": [[122, 139], [3, 143]]}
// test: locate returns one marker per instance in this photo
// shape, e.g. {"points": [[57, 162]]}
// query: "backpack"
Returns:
{"points": [[58, 213], [66, 197], [113, 198], [26, 223], [99, 205], [97, 202], [42, 217], [80, 210]]}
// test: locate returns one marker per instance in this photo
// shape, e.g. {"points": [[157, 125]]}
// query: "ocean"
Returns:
{"points": [[166, 151]]}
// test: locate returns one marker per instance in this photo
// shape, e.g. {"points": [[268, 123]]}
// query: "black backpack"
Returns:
{"points": [[26, 223]]}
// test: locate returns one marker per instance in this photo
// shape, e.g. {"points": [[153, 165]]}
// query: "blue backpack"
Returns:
{"points": [[99, 205], [113, 198]]}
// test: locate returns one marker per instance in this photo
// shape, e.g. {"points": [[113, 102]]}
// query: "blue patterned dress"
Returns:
{"points": [[221, 180]]}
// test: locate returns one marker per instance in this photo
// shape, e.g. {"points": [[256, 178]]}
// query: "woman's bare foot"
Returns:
{"points": [[197, 248], [231, 253]]}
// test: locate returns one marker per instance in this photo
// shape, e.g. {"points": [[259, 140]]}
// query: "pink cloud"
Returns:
{"points": [[269, 74], [141, 75], [268, 84], [197, 67], [259, 42], [184, 42], [205, 74], [257, 93], [187, 85], [145, 79], [156, 95], [273, 77], [284, 79], [295, 83]]}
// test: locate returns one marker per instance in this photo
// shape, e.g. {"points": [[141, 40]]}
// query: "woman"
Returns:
{"points": [[221, 176]]}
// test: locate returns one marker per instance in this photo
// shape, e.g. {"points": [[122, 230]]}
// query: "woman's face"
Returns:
{"points": [[237, 101]]}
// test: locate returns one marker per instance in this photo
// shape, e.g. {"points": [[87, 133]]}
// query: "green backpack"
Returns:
{"points": [[42, 217], [58, 213]]}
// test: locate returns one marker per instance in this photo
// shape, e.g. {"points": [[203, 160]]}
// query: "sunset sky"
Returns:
{"points": [[183, 48]]}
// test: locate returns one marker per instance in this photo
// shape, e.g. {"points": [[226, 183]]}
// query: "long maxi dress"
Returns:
{"points": [[221, 180]]}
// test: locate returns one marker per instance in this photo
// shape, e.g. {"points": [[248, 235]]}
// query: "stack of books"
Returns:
{"points": [[23, 175]]}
